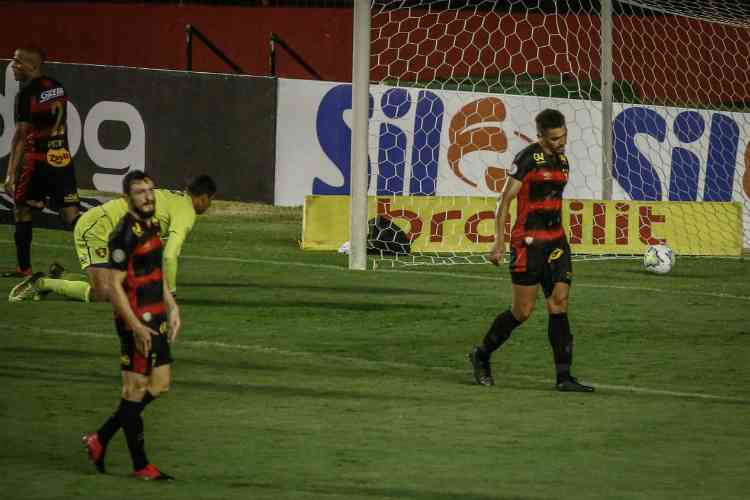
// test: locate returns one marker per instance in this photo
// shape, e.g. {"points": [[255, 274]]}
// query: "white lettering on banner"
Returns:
{"points": [[118, 161], [463, 144], [7, 100]]}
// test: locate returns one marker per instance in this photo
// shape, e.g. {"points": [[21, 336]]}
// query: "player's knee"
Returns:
{"points": [[522, 313], [557, 304], [133, 391]]}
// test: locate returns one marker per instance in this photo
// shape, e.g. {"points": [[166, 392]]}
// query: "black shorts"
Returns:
{"points": [[40, 181], [133, 361], [541, 265]]}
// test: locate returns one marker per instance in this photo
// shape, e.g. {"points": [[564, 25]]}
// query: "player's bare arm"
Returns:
{"points": [[16, 155], [122, 307], [173, 312], [510, 191]]}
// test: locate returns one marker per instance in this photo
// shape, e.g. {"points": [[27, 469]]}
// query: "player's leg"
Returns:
{"points": [[556, 285], [525, 277], [158, 383], [23, 219], [40, 284], [90, 237], [160, 380], [66, 195], [135, 368], [70, 214]]}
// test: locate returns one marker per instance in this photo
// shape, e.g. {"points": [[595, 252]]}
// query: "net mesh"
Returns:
{"points": [[455, 88]]}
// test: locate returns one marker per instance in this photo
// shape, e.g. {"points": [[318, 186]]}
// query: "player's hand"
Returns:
{"points": [[10, 187], [497, 255], [142, 335], [174, 324]]}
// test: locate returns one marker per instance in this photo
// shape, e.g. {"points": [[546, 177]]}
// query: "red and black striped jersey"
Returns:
{"points": [[539, 203], [135, 247], [43, 103]]}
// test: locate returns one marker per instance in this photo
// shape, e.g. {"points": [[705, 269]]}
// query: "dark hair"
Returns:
{"points": [[32, 49], [200, 185], [549, 118], [134, 176]]}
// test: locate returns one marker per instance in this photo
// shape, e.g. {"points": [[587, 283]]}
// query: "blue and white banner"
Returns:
{"points": [[447, 143]]}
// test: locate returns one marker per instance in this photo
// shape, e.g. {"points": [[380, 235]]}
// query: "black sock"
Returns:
{"points": [[110, 428], [562, 344], [132, 424], [23, 244], [112, 425], [499, 332]]}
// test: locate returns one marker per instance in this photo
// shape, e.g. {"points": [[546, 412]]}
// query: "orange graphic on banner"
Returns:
{"points": [[464, 139]]}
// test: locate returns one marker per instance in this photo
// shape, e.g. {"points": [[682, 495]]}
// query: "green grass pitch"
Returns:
{"points": [[296, 378]]}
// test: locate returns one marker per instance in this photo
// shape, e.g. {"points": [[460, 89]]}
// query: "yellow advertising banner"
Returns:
{"points": [[466, 224]]}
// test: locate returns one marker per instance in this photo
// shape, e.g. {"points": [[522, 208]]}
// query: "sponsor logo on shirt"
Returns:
{"points": [[58, 157], [50, 94]]}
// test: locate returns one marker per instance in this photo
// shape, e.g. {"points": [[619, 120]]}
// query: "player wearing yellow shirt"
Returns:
{"points": [[176, 212]]}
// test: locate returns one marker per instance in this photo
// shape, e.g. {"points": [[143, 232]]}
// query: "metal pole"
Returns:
{"points": [[189, 46], [607, 80], [360, 105], [272, 55]]}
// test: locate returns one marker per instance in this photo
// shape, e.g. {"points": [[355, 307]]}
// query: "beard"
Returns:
{"points": [[144, 214]]}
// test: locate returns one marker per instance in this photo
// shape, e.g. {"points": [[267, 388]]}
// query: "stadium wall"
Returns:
{"points": [[173, 124], [154, 36]]}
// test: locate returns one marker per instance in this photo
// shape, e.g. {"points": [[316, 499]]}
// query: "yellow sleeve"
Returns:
{"points": [[181, 221]]}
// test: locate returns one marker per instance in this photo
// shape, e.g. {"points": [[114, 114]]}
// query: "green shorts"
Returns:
{"points": [[91, 236]]}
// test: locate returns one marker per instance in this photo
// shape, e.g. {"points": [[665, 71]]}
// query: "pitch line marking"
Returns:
{"points": [[358, 361], [239, 260]]}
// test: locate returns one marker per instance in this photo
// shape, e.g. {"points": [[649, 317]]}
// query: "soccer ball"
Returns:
{"points": [[658, 259]]}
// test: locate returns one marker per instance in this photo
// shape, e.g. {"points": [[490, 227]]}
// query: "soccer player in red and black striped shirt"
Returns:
{"points": [[147, 321], [539, 250], [40, 164]]}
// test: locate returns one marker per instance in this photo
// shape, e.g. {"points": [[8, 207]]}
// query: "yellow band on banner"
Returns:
{"points": [[466, 224]]}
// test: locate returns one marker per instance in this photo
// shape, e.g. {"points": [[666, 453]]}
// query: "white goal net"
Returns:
{"points": [[454, 88]]}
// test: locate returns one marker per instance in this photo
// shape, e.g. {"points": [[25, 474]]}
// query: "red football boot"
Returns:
{"points": [[151, 473], [95, 449]]}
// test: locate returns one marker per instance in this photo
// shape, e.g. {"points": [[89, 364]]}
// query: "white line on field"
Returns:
{"points": [[478, 277], [359, 361]]}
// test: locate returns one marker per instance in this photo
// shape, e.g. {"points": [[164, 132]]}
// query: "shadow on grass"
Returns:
{"points": [[66, 376], [312, 288], [276, 304], [289, 391], [12, 353], [372, 491]]}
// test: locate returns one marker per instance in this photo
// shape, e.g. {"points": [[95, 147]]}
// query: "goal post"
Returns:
{"points": [[359, 155], [657, 99]]}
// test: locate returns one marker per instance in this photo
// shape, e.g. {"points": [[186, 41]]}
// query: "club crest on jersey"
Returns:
{"points": [[556, 254], [137, 230], [101, 252], [539, 158]]}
